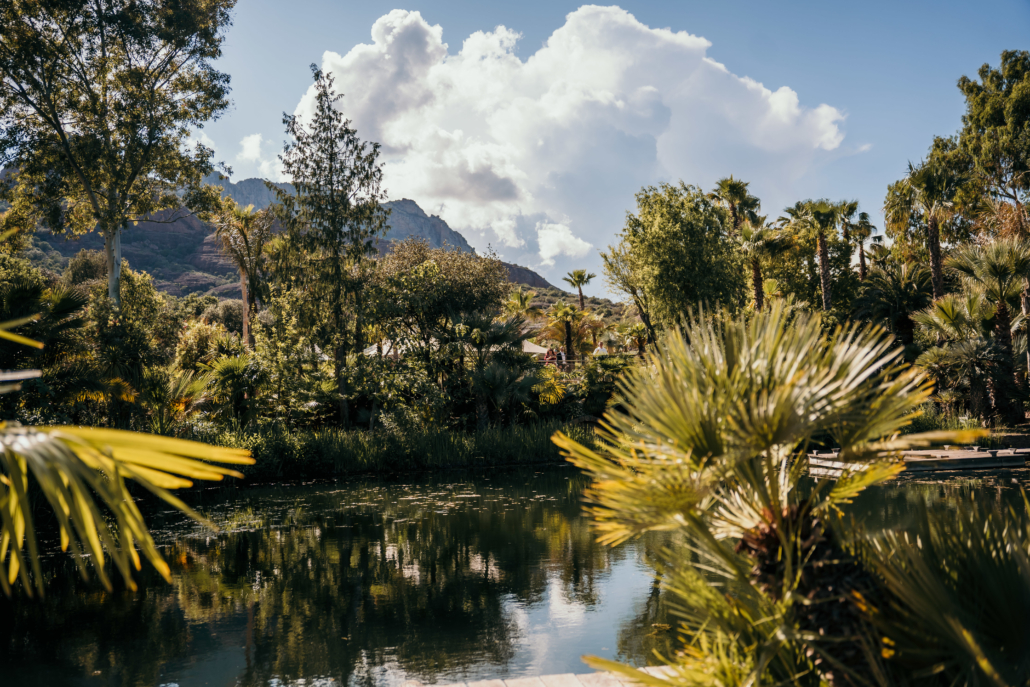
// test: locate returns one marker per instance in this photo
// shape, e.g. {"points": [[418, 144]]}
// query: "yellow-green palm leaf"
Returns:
{"points": [[82, 472]]}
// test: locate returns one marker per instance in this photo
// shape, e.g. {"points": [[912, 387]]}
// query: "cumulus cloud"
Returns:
{"points": [[202, 138], [254, 159], [557, 239], [544, 155]]}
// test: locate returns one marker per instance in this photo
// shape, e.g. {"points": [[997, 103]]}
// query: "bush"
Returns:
{"points": [[281, 454], [85, 267], [228, 313], [196, 345]]}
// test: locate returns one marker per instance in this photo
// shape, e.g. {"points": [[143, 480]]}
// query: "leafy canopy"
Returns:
{"points": [[98, 101]]}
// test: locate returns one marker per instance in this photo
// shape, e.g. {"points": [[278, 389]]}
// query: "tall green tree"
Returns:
{"points": [[998, 268], [564, 315], [863, 230], [923, 203], [577, 279], [680, 252], [244, 233], [98, 101], [846, 211], [819, 219], [733, 194], [758, 241], [332, 217], [625, 277], [996, 130]]}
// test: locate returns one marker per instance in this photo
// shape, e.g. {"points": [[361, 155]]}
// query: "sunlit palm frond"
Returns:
{"points": [[82, 473]]}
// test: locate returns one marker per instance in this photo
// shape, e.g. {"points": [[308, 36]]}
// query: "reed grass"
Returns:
{"points": [[282, 454]]}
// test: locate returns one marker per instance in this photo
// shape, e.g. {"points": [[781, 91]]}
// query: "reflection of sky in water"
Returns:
{"points": [[275, 599], [370, 585]]}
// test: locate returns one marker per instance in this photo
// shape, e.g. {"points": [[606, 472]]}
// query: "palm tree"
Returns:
{"points": [[998, 268], [711, 448], [734, 196], [244, 233], [756, 241], [892, 294], [846, 210], [925, 197], [562, 315], [81, 470], [636, 334], [520, 303], [482, 337], [964, 354], [863, 231], [171, 397], [578, 279], [817, 217]]}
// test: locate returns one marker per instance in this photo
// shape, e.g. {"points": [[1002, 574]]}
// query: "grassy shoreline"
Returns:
{"points": [[332, 453]]}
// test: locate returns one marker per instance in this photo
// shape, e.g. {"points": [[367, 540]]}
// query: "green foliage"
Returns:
{"points": [[890, 296], [237, 385], [959, 595], [196, 344], [85, 267], [331, 217], [227, 313], [710, 447], [679, 254], [995, 135], [282, 454], [98, 101]]}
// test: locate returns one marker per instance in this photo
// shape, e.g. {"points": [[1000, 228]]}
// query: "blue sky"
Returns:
{"points": [[885, 72]]}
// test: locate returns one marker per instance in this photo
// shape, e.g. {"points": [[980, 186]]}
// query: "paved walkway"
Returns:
{"points": [[563, 680]]}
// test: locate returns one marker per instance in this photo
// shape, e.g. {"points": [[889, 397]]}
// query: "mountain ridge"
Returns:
{"points": [[185, 256]]}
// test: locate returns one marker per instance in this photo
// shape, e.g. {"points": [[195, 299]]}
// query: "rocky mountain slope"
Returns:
{"points": [[184, 255]]}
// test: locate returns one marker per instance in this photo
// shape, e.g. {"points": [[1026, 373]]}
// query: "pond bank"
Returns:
{"points": [[331, 453]]}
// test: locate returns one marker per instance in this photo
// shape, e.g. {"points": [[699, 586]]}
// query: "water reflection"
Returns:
{"points": [[362, 585], [374, 584]]}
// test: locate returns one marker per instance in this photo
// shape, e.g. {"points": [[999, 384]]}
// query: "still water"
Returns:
{"points": [[372, 584]]}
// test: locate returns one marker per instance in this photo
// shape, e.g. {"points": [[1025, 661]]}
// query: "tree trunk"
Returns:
{"points": [[113, 253], [1005, 398], [905, 329], [570, 357], [861, 262], [582, 306], [933, 243], [1024, 302], [652, 336], [482, 412], [248, 340], [756, 280], [824, 271], [340, 372]]}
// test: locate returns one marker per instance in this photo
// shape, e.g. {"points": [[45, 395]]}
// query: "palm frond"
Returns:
{"points": [[82, 473]]}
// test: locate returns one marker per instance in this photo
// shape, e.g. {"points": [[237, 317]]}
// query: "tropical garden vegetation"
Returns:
{"points": [[743, 341]]}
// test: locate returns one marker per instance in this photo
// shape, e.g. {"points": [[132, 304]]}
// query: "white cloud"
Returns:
{"points": [[202, 138], [250, 148], [547, 153], [557, 239], [254, 160]]}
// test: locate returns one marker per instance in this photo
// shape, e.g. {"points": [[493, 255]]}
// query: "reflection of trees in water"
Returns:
{"points": [[331, 583], [894, 504]]}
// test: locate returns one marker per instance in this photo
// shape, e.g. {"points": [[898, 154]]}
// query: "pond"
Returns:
{"points": [[445, 580]]}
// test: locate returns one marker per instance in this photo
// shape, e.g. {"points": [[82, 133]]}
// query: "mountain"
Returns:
{"points": [[407, 219], [184, 256]]}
